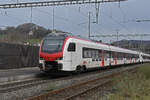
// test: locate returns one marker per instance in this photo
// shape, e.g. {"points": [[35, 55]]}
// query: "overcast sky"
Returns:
{"points": [[74, 19]]}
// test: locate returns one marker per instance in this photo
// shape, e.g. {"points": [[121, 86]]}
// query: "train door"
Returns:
{"points": [[72, 53], [107, 58], [68, 55]]}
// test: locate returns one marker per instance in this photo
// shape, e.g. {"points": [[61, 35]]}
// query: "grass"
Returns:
{"points": [[3, 36], [33, 41], [145, 70], [132, 86]]}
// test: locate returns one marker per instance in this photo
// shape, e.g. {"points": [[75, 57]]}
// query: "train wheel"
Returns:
{"points": [[80, 69], [85, 69]]}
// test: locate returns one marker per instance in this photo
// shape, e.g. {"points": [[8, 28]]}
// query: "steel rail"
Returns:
{"points": [[109, 81], [88, 90], [13, 86], [62, 90], [19, 85]]}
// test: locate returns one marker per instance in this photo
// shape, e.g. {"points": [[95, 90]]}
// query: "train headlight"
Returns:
{"points": [[41, 58], [59, 58]]}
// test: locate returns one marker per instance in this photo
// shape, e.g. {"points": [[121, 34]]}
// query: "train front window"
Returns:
{"points": [[52, 45]]}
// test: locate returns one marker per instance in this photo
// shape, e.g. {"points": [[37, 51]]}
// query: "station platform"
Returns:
{"points": [[18, 74]]}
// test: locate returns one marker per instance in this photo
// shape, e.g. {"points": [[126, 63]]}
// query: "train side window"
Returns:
{"points": [[72, 47], [86, 53]]}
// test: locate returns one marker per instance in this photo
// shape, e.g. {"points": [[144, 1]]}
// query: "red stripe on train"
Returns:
{"points": [[116, 58], [103, 63]]}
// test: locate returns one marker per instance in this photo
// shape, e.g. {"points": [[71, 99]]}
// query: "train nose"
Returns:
{"points": [[48, 58]]}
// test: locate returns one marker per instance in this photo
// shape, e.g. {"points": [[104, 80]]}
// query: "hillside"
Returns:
{"points": [[27, 32]]}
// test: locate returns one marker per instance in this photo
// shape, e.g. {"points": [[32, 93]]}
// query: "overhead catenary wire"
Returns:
{"points": [[12, 17], [53, 3], [120, 24], [80, 12], [57, 17], [18, 20], [116, 21], [31, 15], [99, 1], [15, 19], [86, 16], [122, 35], [51, 14], [123, 13]]}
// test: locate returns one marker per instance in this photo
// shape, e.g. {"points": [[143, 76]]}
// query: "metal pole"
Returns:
{"points": [[53, 19], [89, 25], [31, 21], [31, 15], [117, 37], [141, 43]]}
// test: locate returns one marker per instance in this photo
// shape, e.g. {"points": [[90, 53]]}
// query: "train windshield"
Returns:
{"points": [[52, 45]]}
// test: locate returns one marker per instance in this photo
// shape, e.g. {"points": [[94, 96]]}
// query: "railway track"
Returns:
{"points": [[9, 87], [14, 86], [79, 89]]}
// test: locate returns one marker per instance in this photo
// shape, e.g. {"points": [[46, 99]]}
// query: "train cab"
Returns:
{"points": [[51, 52]]}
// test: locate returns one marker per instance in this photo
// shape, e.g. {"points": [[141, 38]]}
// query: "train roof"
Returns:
{"points": [[146, 54], [113, 48]]}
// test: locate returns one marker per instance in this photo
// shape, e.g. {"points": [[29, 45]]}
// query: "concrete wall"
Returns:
{"points": [[18, 56]]}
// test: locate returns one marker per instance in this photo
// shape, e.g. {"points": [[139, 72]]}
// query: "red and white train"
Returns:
{"points": [[65, 52]]}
